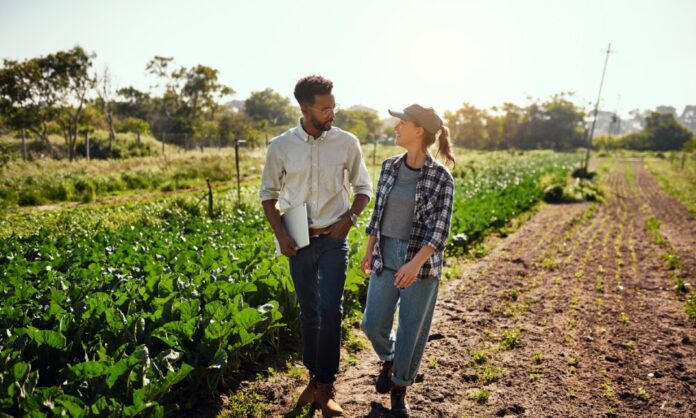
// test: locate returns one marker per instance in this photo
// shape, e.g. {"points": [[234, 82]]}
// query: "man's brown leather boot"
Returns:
{"points": [[325, 397], [307, 395]]}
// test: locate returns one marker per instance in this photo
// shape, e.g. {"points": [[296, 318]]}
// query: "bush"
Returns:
{"points": [[581, 173], [30, 198], [553, 194]]}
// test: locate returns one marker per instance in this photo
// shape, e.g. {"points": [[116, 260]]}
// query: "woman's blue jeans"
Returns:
{"points": [[416, 306]]}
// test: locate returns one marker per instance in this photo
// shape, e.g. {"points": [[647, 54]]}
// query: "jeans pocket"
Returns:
{"points": [[338, 242]]}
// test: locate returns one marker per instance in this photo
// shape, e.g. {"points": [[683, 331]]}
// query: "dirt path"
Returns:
{"points": [[574, 315]]}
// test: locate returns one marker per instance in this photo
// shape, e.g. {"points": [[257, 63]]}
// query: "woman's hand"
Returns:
{"points": [[407, 274], [366, 263]]}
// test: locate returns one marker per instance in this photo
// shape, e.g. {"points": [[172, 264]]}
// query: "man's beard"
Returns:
{"points": [[321, 127]]}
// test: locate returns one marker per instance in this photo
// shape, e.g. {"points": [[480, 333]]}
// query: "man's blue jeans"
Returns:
{"points": [[318, 272], [416, 307]]}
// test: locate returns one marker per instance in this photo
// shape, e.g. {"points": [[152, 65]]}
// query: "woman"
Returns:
{"points": [[407, 235]]}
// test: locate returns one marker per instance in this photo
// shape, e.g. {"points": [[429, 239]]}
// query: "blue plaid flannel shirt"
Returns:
{"points": [[432, 213]]}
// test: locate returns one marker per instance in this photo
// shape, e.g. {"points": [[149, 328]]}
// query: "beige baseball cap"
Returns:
{"points": [[423, 116]]}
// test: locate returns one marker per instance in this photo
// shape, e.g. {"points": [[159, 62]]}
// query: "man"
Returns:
{"points": [[311, 164]]}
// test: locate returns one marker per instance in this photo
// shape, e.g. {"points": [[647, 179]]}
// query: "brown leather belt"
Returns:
{"points": [[315, 232]]}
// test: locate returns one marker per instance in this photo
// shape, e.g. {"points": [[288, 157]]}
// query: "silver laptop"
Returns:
{"points": [[296, 223]]}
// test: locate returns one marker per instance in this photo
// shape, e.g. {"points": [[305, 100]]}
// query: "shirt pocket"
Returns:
{"points": [[425, 210], [331, 178]]}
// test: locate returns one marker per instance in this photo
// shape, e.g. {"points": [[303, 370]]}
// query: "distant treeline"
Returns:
{"points": [[61, 94], [661, 132]]}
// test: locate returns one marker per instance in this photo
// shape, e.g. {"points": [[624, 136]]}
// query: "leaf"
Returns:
{"points": [[73, 405], [46, 336], [167, 358], [116, 371], [20, 370], [88, 370], [216, 330], [247, 318], [188, 309]]}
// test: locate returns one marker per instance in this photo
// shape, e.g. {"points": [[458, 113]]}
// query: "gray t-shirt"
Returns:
{"points": [[397, 218]]}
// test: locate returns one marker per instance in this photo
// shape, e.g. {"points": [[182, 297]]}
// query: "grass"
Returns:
{"points": [[242, 404], [549, 263], [510, 338], [674, 179], [479, 357], [671, 261], [680, 286], [42, 182], [599, 286], [623, 317], [488, 374], [481, 396], [45, 181], [608, 391], [573, 363], [690, 307], [652, 224]]}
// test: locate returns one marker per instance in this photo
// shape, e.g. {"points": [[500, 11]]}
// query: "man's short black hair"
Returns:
{"points": [[309, 86]]}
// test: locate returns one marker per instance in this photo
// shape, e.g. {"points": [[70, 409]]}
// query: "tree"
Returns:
{"points": [[91, 118], [135, 126], [564, 124], [28, 94], [105, 102], [467, 126], [74, 83], [235, 125], [52, 88], [510, 124], [364, 124], [189, 94], [134, 103], [663, 132], [268, 105]]}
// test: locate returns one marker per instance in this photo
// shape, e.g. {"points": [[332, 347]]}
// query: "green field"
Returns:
{"points": [[130, 303], [676, 173]]}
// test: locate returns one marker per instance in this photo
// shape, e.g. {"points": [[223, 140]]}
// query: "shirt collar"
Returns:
{"points": [[303, 135]]}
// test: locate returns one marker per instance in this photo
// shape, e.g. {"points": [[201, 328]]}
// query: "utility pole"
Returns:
{"points": [[596, 108]]}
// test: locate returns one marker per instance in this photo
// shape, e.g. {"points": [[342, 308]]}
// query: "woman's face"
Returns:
{"points": [[408, 133]]}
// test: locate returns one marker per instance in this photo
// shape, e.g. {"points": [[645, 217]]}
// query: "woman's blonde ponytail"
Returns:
{"points": [[445, 145]]}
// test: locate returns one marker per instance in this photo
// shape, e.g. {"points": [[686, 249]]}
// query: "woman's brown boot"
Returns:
{"points": [[399, 407]]}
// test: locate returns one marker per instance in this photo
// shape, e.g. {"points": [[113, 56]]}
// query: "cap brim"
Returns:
{"points": [[400, 115]]}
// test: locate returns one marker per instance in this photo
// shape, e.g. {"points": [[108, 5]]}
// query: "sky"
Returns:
{"points": [[385, 54]]}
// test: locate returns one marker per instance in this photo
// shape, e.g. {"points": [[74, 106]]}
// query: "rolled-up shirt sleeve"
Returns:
{"points": [[272, 177], [358, 175], [438, 231], [371, 228]]}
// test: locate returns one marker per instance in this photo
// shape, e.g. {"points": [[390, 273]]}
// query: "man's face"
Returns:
{"points": [[321, 114]]}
